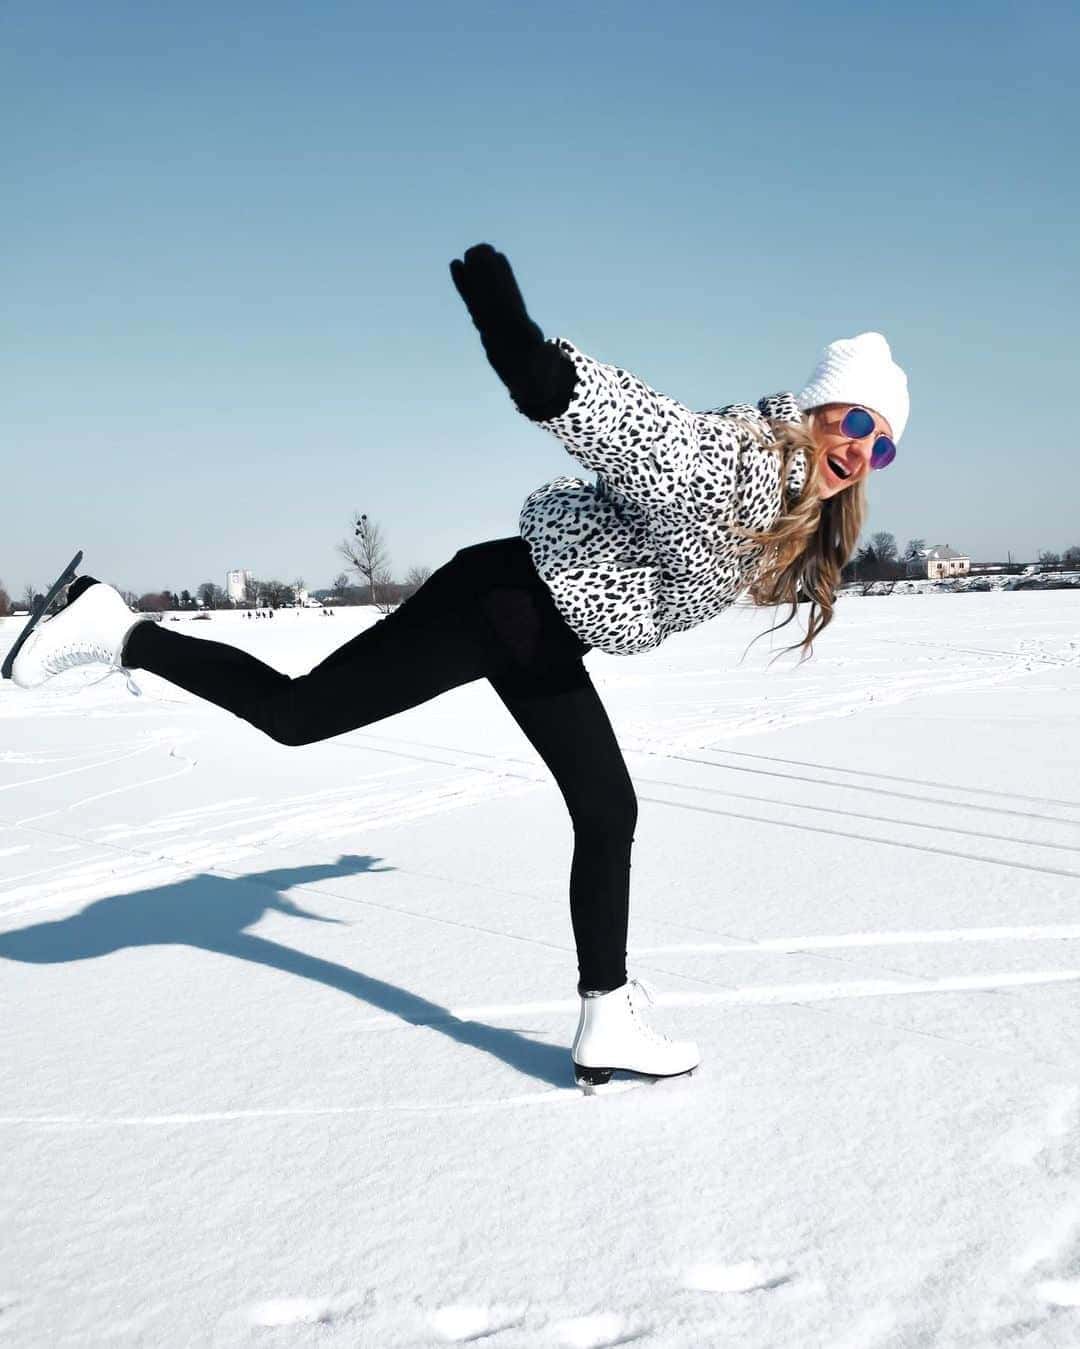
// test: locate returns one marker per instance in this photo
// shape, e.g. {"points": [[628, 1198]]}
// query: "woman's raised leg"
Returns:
{"points": [[424, 648]]}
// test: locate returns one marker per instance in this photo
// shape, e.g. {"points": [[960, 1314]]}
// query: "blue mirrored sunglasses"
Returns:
{"points": [[858, 423]]}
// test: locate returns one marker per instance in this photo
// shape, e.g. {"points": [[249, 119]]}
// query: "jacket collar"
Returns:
{"points": [[780, 407], [774, 407], [777, 407]]}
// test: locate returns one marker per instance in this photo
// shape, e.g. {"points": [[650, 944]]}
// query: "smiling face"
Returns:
{"points": [[842, 461]]}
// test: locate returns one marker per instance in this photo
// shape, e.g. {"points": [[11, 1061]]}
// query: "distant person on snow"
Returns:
{"points": [[689, 510]]}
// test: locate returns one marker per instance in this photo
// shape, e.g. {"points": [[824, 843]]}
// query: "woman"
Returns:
{"points": [[688, 511]]}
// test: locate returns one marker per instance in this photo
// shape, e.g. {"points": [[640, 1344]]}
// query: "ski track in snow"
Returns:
{"points": [[550, 1096], [460, 1323], [862, 789], [467, 1322], [601, 1330], [454, 1323], [748, 1276], [274, 1313], [786, 993], [855, 940]]}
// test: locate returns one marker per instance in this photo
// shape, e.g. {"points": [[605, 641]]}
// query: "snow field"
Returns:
{"points": [[285, 1046]]}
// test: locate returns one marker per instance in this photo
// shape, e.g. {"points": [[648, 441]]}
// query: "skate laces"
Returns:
{"points": [[63, 659], [647, 989], [86, 651], [129, 679], [69, 655], [645, 1029]]}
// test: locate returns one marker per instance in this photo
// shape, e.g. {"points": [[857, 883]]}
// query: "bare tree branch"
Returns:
{"points": [[366, 554], [414, 579]]}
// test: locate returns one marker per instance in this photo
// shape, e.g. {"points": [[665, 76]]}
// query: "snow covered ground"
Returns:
{"points": [[284, 1033]]}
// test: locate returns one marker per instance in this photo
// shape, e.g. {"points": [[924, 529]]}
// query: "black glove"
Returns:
{"points": [[540, 377]]}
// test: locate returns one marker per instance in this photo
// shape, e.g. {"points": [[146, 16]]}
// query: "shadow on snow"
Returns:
{"points": [[212, 912]]}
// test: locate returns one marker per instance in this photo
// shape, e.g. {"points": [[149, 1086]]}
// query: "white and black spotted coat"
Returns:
{"points": [[649, 549]]}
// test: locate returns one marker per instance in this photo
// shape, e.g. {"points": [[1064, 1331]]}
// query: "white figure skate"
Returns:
{"points": [[612, 1036], [91, 629]]}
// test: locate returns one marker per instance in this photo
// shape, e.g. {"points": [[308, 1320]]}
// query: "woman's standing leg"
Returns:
{"points": [[571, 732], [561, 713]]}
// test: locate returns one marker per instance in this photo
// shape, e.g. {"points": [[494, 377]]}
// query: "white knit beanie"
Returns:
{"points": [[860, 370]]}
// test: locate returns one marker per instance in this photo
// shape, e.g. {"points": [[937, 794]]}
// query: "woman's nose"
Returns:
{"points": [[861, 450]]}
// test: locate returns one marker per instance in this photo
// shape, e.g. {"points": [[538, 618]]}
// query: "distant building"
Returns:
{"points": [[939, 562], [237, 584]]}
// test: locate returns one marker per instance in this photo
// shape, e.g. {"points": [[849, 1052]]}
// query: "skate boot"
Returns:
{"points": [[91, 628], [612, 1036]]}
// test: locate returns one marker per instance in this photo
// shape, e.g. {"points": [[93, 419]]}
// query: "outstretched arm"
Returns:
{"points": [[538, 375], [645, 444]]}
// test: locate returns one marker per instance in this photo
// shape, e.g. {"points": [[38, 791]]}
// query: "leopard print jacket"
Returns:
{"points": [[648, 550]]}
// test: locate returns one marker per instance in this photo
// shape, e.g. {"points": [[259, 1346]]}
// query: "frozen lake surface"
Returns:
{"points": [[284, 1033]]}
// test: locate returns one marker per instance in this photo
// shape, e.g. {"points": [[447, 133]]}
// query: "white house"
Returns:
{"points": [[938, 562]]}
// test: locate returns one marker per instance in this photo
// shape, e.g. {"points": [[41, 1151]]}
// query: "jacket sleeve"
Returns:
{"points": [[647, 446]]}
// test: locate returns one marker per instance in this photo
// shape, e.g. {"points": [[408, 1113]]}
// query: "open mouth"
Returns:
{"points": [[838, 469]]}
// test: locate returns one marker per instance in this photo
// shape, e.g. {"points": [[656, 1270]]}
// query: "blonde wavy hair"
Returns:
{"points": [[806, 548]]}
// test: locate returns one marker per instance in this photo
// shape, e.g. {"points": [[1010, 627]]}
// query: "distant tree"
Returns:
{"points": [[130, 598], [211, 595], [1071, 556], [154, 602], [185, 599], [367, 555], [911, 556], [29, 595], [867, 566], [345, 593], [875, 561], [5, 602], [414, 579], [273, 594], [1049, 559]]}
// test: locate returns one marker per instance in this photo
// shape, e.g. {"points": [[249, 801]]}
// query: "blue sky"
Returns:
{"points": [[227, 228]]}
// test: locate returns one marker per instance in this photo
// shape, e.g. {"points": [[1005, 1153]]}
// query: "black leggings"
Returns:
{"points": [[485, 614]]}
